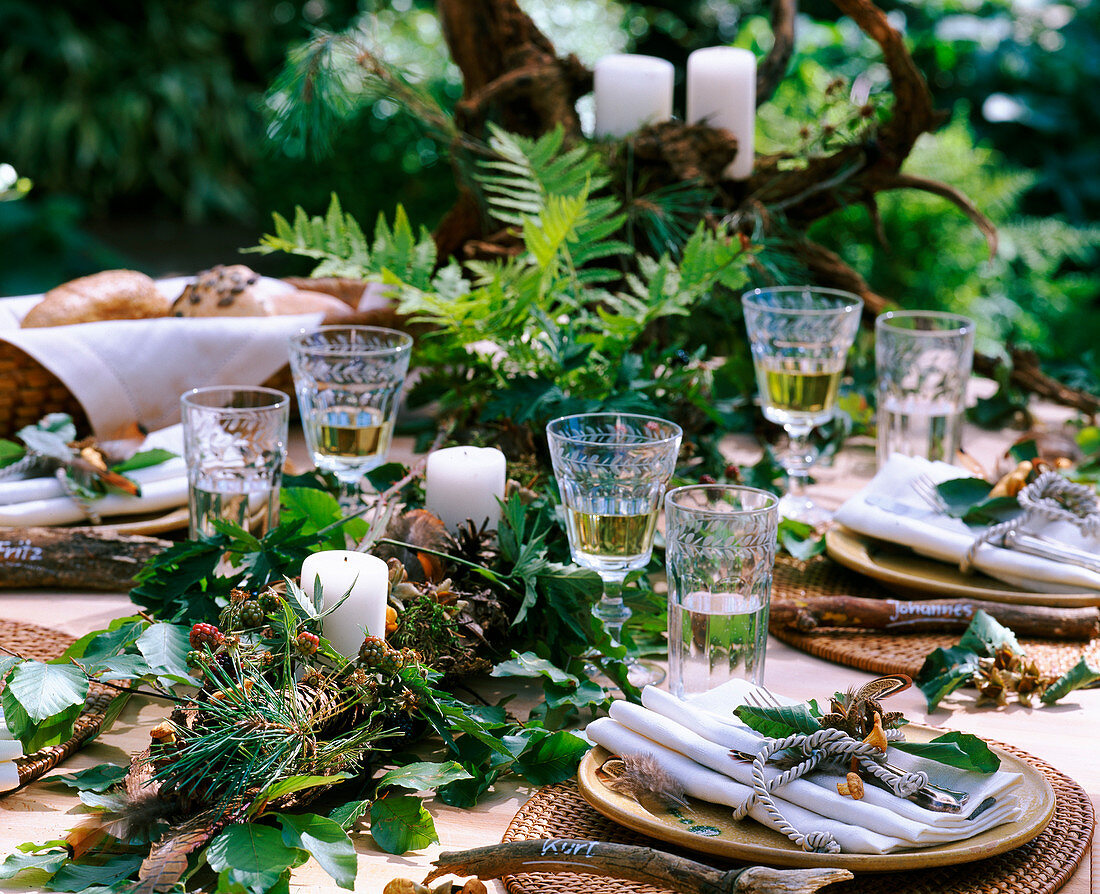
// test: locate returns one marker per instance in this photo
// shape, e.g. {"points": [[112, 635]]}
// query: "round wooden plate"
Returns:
{"points": [[921, 577], [710, 829]]}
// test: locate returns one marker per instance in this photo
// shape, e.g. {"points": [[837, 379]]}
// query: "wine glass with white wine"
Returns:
{"points": [[348, 380], [612, 469], [800, 337]]}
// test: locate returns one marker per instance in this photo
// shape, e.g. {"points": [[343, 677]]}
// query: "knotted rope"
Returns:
{"points": [[1049, 496], [816, 748]]}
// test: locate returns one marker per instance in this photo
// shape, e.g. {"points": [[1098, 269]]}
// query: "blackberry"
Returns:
{"points": [[250, 613], [270, 601], [391, 663], [308, 643], [205, 635], [371, 652]]}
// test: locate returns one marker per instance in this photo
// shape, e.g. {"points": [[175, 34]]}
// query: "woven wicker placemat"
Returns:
{"points": [[42, 644], [1041, 866], [889, 653]]}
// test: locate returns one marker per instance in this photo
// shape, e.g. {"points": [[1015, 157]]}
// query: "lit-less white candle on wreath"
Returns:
{"points": [[465, 483], [631, 91], [365, 607], [721, 92]]}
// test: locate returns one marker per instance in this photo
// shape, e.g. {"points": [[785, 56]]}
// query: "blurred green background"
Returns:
{"points": [[145, 130]]}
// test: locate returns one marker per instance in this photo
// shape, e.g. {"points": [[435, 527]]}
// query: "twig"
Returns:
{"points": [[774, 67], [954, 196], [640, 864]]}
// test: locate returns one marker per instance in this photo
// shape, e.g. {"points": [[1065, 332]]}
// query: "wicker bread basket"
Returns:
{"points": [[28, 391]]}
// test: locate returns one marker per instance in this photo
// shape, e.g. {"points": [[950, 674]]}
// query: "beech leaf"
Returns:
{"points": [[165, 647], [399, 823], [424, 776], [325, 840]]}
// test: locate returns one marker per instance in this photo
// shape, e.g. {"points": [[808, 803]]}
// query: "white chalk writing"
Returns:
{"points": [[914, 612], [565, 846], [19, 551]]}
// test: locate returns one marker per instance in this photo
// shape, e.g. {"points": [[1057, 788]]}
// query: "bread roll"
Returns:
{"points": [[238, 291], [110, 295]]}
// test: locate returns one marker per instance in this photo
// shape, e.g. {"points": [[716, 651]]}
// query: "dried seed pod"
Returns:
{"points": [[474, 886]]}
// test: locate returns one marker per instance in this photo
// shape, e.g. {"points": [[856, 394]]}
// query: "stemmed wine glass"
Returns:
{"points": [[612, 469], [800, 336], [348, 380]]}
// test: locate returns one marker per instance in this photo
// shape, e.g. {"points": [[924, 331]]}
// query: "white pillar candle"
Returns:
{"points": [[721, 92], [631, 92], [365, 607], [465, 483]]}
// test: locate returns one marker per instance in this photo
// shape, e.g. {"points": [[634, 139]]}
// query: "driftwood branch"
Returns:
{"points": [[73, 558], [954, 196], [639, 864], [928, 615], [773, 69]]}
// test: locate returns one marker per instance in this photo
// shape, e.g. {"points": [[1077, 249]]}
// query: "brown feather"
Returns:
{"points": [[641, 777]]}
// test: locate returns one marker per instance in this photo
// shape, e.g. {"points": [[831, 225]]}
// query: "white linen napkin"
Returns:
{"points": [[127, 371], [692, 742], [37, 502], [889, 509]]}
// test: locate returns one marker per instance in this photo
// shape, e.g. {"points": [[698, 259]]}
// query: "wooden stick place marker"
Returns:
{"points": [[625, 861], [928, 615], [73, 557]]}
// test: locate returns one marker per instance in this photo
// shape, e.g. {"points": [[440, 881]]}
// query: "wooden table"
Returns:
{"points": [[1065, 736]]}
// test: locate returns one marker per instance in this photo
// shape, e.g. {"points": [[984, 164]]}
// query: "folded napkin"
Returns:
{"points": [[42, 501], [889, 509], [127, 371], [692, 741]]}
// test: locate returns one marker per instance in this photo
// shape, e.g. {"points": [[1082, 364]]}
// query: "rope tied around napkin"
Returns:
{"points": [[814, 749], [1052, 497]]}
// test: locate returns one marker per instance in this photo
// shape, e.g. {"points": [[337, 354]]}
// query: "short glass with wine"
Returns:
{"points": [[348, 380], [800, 337], [612, 469]]}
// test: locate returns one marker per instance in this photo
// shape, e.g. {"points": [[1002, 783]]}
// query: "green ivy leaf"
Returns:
{"points": [[165, 647], [962, 750], [993, 512], [528, 664], [550, 758], [778, 723], [962, 494], [324, 840], [800, 539], [143, 459], [944, 671], [399, 823], [94, 779], [424, 776], [347, 815]]}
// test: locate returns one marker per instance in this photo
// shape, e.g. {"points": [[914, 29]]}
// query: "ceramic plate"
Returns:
{"points": [[909, 573], [709, 828]]}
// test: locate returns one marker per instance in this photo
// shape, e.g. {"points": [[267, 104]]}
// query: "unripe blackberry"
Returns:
{"points": [[391, 663], [196, 658], [308, 643], [371, 652], [270, 601], [205, 635], [250, 613]]}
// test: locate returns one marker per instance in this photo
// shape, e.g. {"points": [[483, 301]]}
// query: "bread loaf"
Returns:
{"points": [[110, 295], [237, 291]]}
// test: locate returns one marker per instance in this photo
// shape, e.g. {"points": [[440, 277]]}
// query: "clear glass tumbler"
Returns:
{"points": [[720, 543], [800, 337], [348, 380], [923, 361], [234, 444]]}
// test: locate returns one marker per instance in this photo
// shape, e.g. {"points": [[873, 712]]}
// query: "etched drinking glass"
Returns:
{"points": [[612, 469], [234, 444], [719, 553], [348, 380], [923, 362], [800, 337]]}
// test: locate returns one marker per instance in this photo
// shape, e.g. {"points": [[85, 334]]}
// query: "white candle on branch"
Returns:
{"points": [[465, 483], [364, 611], [721, 92], [631, 91]]}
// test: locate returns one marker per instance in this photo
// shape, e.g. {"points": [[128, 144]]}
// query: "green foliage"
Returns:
{"points": [[337, 241], [399, 823], [964, 751]]}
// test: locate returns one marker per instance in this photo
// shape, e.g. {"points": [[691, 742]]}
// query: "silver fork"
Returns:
{"points": [[1032, 544], [929, 796]]}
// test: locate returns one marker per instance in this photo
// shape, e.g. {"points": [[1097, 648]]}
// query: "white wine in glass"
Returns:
{"points": [[802, 392]]}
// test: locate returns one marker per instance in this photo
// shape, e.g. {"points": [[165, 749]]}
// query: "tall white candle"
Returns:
{"points": [[631, 91], [365, 607], [721, 92], [465, 483]]}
